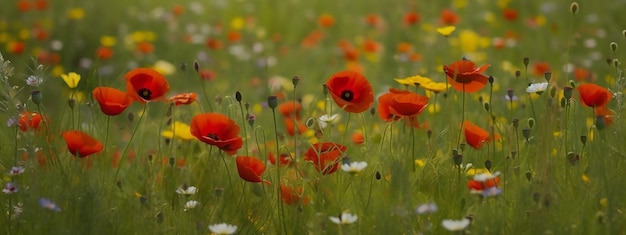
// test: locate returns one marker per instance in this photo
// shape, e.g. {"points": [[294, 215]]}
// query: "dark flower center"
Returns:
{"points": [[145, 93], [212, 136], [347, 95]]}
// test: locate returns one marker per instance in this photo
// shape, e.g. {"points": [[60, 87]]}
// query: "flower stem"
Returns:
{"points": [[281, 215], [144, 113]]}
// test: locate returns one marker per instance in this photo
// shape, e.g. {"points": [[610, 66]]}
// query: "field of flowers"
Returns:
{"points": [[312, 117]]}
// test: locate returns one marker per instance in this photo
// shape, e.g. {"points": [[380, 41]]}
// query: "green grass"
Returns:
{"points": [[543, 191]]}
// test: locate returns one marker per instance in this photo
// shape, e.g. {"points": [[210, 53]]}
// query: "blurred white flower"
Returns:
{"points": [[353, 167], [33, 80], [426, 208], [16, 170], [344, 218], [223, 228], [485, 176], [326, 120], [191, 204], [455, 225], [10, 188], [537, 87], [187, 190]]}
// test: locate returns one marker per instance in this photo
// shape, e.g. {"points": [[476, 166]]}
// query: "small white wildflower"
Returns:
{"points": [[191, 204], [16, 170], [485, 176], [187, 190], [455, 225], [537, 87], [10, 188], [326, 120], [33, 80], [353, 167], [344, 218], [426, 208], [48, 204], [223, 228]]}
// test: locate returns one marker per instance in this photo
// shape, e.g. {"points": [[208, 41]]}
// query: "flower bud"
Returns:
{"points": [[547, 76], [573, 8], [526, 61], [295, 80], [238, 96], [36, 97], [488, 165], [196, 66], [272, 102], [583, 139], [531, 122], [613, 46], [567, 92]]}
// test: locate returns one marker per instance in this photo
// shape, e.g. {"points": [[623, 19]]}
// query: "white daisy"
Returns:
{"points": [[326, 120], [223, 228], [426, 208], [485, 176], [187, 190], [16, 170], [353, 167], [537, 87], [191, 204], [455, 225], [344, 218]]}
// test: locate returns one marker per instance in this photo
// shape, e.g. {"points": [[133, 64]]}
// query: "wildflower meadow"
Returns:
{"points": [[312, 117]]}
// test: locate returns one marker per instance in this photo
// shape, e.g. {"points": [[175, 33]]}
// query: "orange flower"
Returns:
{"points": [[16, 47], [540, 68], [325, 156], [326, 20], [293, 196], [183, 98], [475, 136], [371, 46], [373, 20], [290, 109], [81, 144], [29, 120], [104, 53], [207, 74], [582, 74], [145, 85], [285, 159], [448, 17], [41, 4], [178, 10], [23, 5], [234, 36], [592, 95], [464, 76], [509, 14], [404, 47], [351, 91], [411, 18], [400, 103], [482, 185], [358, 138], [112, 101], [291, 124], [217, 130], [214, 44], [250, 169], [145, 47]]}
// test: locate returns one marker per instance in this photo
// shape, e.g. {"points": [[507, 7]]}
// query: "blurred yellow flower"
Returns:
{"points": [[474, 171], [71, 79], [413, 80], [108, 41], [237, 23], [446, 31], [459, 4], [585, 178], [180, 130], [23, 34], [76, 13], [435, 87], [604, 202], [57, 70], [4, 37], [420, 163], [164, 67]]}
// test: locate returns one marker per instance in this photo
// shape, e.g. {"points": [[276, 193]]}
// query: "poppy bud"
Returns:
{"points": [[526, 133], [71, 102], [119, 184], [583, 139], [310, 123], [325, 89], [295, 80], [547, 76], [572, 83], [600, 123], [247, 106], [196, 66], [624, 33], [481, 99], [609, 61], [613, 46], [510, 94], [529, 175], [531, 122], [378, 175], [172, 160], [458, 159], [251, 118], [536, 197], [526, 61], [563, 102], [130, 117], [486, 106], [36, 97], [567, 92], [515, 122], [513, 154], [491, 79], [272, 102], [183, 66], [238, 96], [553, 92], [573, 8], [429, 133], [616, 63], [518, 73], [373, 111], [488, 165]]}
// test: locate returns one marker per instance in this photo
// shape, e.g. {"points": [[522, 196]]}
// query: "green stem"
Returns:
{"points": [[458, 140], [132, 136], [281, 216]]}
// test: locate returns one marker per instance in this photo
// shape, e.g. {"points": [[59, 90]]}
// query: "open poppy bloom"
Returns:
{"points": [[400, 103], [293, 196], [464, 76], [291, 125], [112, 101], [250, 169], [217, 130], [351, 91], [29, 120], [81, 144], [290, 109], [325, 156], [592, 95], [285, 159], [184, 98], [476, 136], [484, 183], [145, 85]]}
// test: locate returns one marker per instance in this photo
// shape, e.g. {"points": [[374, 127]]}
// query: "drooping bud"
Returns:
{"points": [[196, 66], [295, 80], [583, 139], [531, 122]]}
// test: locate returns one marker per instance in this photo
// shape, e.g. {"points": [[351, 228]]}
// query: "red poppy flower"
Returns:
{"points": [[400, 103], [285, 159], [104, 53], [112, 101], [217, 130], [183, 98], [293, 196], [325, 156], [29, 120], [540, 69], [509, 14], [290, 109], [411, 18], [145, 85], [291, 124], [482, 185], [464, 76], [250, 169], [358, 138], [448, 17], [81, 144], [326, 20], [592, 95], [144, 47], [351, 91], [475, 136]]}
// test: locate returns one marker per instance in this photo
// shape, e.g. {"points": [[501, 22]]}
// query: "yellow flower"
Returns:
{"points": [[413, 80], [71, 79], [585, 178], [237, 23], [164, 67], [435, 87], [23, 34], [76, 13], [57, 70], [474, 171], [419, 163], [604, 202], [446, 31], [180, 130], [108, 41]]}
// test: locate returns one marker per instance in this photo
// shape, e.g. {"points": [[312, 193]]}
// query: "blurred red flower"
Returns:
{"points": [[592, 95], [476, 136], [183, 98]]}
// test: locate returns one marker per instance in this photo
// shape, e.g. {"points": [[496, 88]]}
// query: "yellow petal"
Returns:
{"points": [[446, 31]]}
